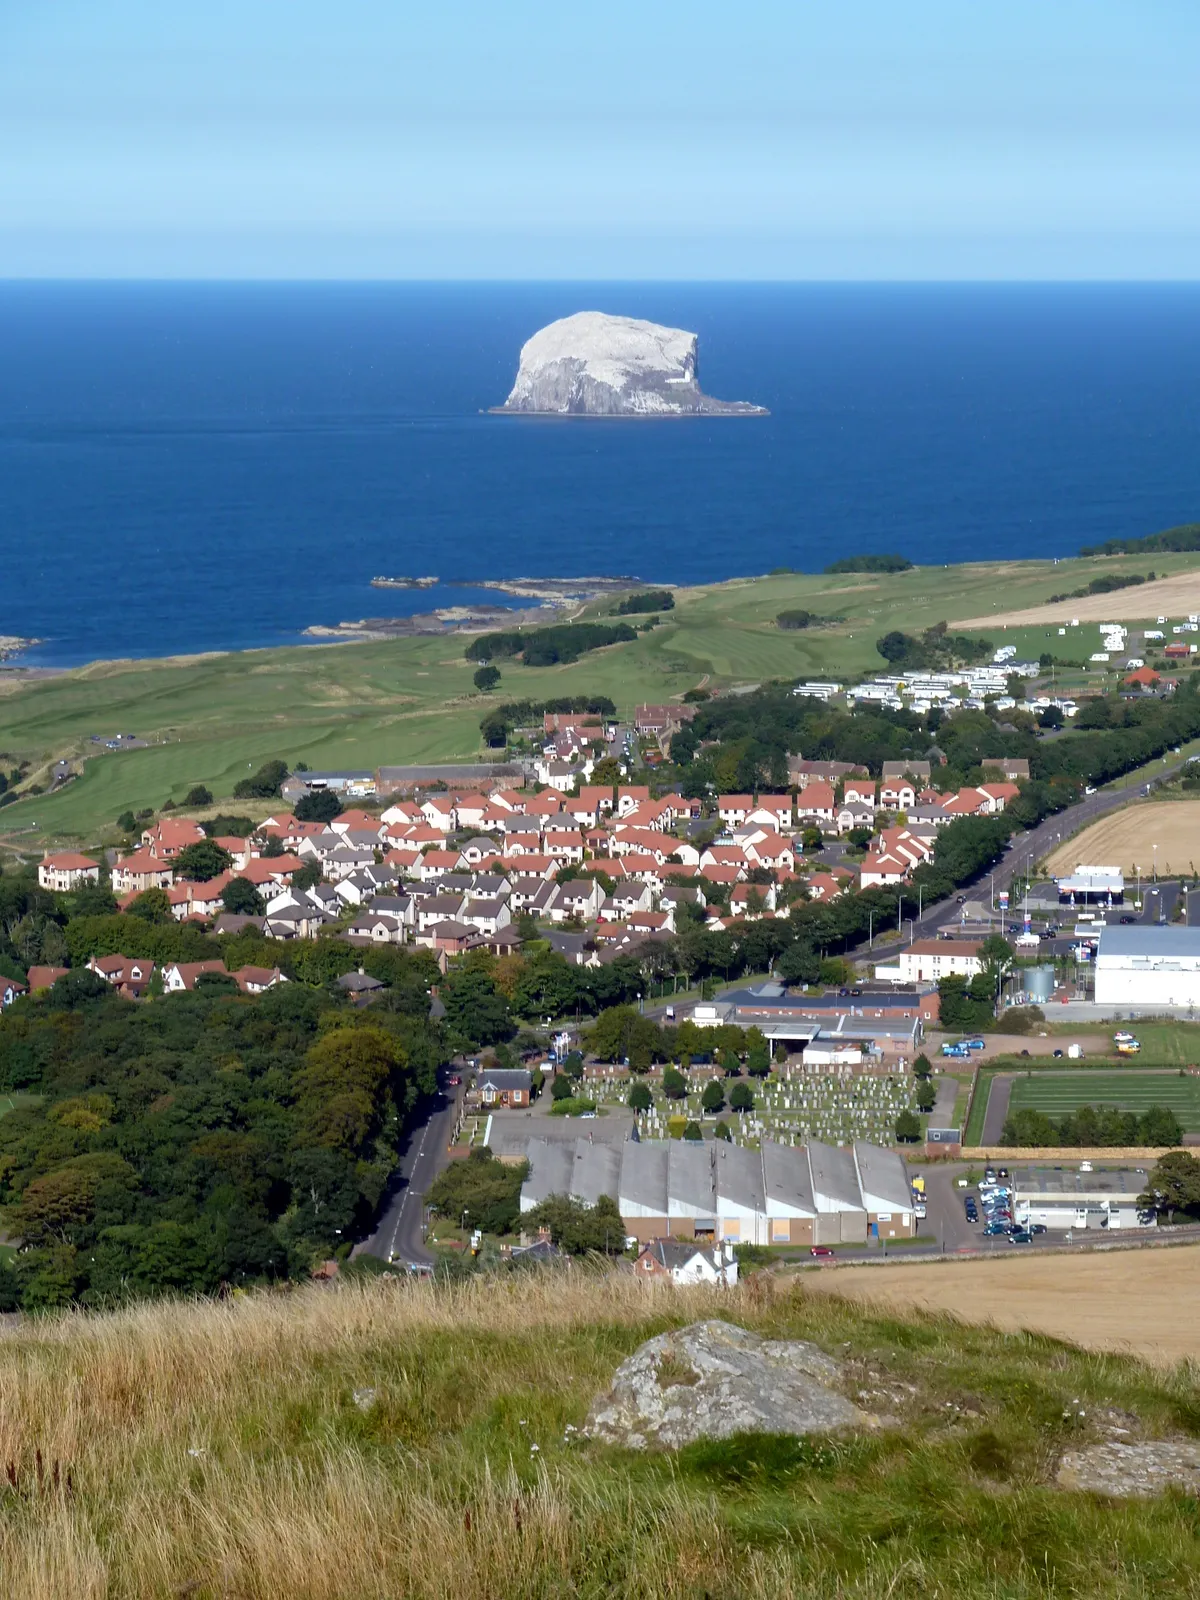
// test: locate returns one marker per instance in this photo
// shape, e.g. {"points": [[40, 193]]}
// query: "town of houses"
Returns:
{"points": [[454, 870]]}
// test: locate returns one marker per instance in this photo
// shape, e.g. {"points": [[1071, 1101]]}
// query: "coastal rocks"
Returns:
{"points": [[595, 365], [713, 1379], [1129, 1471]]}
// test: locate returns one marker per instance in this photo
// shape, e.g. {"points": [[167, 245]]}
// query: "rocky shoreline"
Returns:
{"points": [[12, 645]]}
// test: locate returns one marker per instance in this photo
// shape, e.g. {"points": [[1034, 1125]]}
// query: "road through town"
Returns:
{"points": [[399, 1235]]}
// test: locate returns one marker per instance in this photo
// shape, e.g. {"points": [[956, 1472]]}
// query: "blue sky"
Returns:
{"points": [[808, 139]]}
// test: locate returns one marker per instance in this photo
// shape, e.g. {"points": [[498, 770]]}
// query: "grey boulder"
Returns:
{"points": [[1132, 1470], [714, 1379]]}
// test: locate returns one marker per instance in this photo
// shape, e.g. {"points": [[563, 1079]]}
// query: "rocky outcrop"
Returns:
{"points": [[594, 365], [1132, 1470], [712, 1380]]}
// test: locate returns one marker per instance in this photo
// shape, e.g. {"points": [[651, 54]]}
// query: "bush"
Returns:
{"points": [[486, 678], [198, 795], [264, 785], [322, 805], [1020, 1019], [694, 1132], [646, 600], [573, 1106], [871, 563]]}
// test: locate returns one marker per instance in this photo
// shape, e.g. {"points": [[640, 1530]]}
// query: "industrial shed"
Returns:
{"points": [[778, 1194]]}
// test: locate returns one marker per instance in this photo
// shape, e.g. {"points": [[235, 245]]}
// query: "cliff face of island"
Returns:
{"points": [[595, 365]]}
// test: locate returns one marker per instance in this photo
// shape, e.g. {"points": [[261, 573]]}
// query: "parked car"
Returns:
{"points": [[956, 1052], [1128, 920], [1037, 1227], [975, 1044], [1058, 1055], [994, 1229], [821, 1251]]}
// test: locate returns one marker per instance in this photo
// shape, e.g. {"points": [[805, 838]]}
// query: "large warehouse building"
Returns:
{"points": [[779, 1194], [1144, 967]]}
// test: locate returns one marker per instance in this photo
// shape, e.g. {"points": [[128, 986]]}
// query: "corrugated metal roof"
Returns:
{"points": [[786, 1178], [834, 1175], [690, 1188], [596, 1170], [739, 1174], [550, 1166], [643, 1178], [883, 1175], [1153, 942]]}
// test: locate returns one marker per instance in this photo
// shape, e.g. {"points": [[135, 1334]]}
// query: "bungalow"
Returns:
{"points": [[66, 871], [447, 938], [376, 928], [652, 922], [134, 874], [505, 1088]]}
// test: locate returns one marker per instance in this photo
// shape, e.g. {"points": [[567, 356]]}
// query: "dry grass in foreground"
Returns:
{"points": [[1140, 1302], [391, 1439]]}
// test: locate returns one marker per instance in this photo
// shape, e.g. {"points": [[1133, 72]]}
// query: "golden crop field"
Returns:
{"points": [[1127, 839], [1140, 1302], [1177, 596]]}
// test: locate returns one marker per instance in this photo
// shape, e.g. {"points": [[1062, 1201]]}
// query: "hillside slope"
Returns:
{"points": [[392, 1439]]}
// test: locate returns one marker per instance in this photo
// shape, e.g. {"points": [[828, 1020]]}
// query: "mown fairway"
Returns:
{"points": [[212, 718], [1057, 1093]]}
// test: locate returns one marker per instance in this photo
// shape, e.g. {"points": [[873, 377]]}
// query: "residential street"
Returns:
{"points": [[399, 1235]]}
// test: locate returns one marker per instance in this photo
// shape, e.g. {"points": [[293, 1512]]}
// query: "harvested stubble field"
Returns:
{"points": [[1176, 596], [1127, 839], [393, 1438], [1142, 1302]]}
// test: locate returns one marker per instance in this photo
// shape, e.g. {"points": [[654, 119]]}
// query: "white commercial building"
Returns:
{"points": [[1062, 1198], [1143, 968]]}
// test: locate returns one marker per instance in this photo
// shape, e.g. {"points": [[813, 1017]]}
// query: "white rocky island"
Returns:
{"points": [[594, 365]]}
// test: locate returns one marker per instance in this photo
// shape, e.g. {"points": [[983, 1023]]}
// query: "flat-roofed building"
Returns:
{"points": [[1145, 967], [1062, 1198], [1091, 885]]}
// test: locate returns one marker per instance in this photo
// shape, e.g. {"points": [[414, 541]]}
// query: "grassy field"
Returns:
{"points": [[210, 719], [1164, 1044], [1056, 1093], [16, 1102], [396, 1439], [1144, 1301]]}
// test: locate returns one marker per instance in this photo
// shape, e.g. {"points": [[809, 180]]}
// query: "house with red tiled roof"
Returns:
{"points": [[42, 978], [772, 852], [1000, 794], [10, 989], [1145, 678], [715, 872], [133, 874], [129, 975], [171, 835], [772, 811], [827, 886], [547, 804], [629, 796], [733, 809], [66, 871], [816, 803]]}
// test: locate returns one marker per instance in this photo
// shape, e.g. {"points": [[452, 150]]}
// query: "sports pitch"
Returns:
{"points": [[1057, 1093]]}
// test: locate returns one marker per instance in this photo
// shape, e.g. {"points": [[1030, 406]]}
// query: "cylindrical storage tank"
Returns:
{"points": [[1039, 983]]}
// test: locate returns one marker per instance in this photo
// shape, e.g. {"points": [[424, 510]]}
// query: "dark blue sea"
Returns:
{"points": [[191, 467]]}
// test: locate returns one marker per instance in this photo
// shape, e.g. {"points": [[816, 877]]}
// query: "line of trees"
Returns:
{"points": [[1091, 1127], [544, 647]]}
